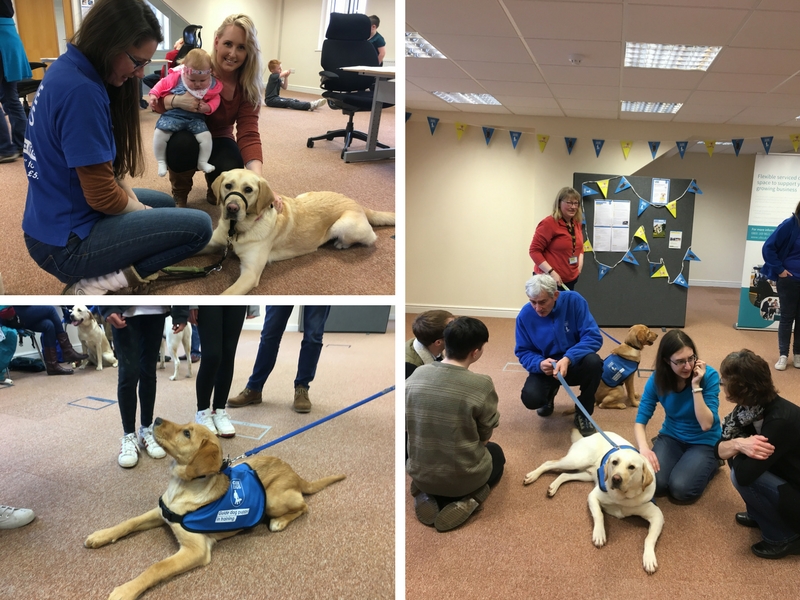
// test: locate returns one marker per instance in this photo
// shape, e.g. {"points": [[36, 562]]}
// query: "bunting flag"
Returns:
{"points": [[679, 280], [690, 255], [661, 272], [543, 139], [598, 146], [653, 148], [587, 191], [640, 234], [653, 267], [515, 135], [626, 147], [672, 207], [643, 204], [628, 258], [737, 145], [488, 132], [795, 137], [460, 129], [693, 189], [432, 123], [641, 247], [623, 185], [681, 147], [602, 270], [603, 185], [570, 144], [408, 116], [710, 146], [767, 142], [587, 246]]}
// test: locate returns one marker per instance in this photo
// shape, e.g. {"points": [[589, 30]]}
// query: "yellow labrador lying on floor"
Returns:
{"points": [[619, 367], [624, 485], [264, 233], [203, 505]]}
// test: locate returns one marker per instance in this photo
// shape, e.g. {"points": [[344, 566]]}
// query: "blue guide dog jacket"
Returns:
{"points": [[617, 369]]}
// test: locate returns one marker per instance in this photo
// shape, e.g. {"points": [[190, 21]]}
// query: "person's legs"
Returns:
{"points": [[211, 331], [43, 319], [151, 330], [669, 451], [160, 139], [314, 318], [15, 112], [586, 373], [275, 319], [195, 343], [225, 156], [232, 321], [498, 463], [692, 472], [539, 391], [7, 150], [761, 502], [789, 298], [126, 346], [204, 152]]}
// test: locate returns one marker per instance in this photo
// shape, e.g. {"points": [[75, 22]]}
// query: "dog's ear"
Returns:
{"points": [[647, 474], [206, 461], [216, 186], [643, 335], [266, 197]]}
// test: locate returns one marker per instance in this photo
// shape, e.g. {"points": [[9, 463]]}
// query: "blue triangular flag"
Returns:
{"points": [[628, 258], [737, 145], [690, 255], [432, 123], [767, 141], [515, 135], [598, 146], [679, 280], [602, 270], [623, 185], [587, 191], [488, 132], [570, 144], [641, 247], [408, 116], [682, 147], [694, 189], [654, 267], [653, 148], [643, 204]]}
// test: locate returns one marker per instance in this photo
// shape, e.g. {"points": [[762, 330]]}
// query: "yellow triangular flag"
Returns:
{"points": [[672, 207], [587, 246], [460, 129], [662, 272], [603, 185], [543, 139], [626, 147], [795, 140], [640, 234], [710, 146]]}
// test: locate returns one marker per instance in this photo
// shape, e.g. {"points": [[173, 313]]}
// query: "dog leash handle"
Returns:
{"points": [[583, 410]]}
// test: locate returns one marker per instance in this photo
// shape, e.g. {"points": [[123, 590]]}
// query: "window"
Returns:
{"points": [[163, 20], [339, 6]]}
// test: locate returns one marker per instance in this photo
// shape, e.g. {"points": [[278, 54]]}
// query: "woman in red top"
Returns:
{"points": [[557, 245]]}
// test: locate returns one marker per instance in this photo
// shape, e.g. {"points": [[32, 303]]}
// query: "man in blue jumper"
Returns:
{"points": [[556, 333]]}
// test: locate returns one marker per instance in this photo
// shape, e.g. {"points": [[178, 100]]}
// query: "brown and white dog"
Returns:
{"points": [[197, 480], [263, 230], [630, 350]]}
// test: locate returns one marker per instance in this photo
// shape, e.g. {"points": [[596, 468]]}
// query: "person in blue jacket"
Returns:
{"points": [[781, 253], [556, 333], [683, 454]]}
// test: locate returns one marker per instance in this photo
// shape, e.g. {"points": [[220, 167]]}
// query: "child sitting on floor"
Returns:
{"points": [[193, 76], [280, 79]]}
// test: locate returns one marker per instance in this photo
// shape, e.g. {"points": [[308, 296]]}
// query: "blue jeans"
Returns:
{"points": [[43, 319], [761, 500], [16, 115], [789, 298], [147, 239], [685, 470], [275, 319], [137, 347]]}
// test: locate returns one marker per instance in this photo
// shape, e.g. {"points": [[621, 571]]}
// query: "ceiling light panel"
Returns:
{"points": [[463, 98], [418, 47], [661, 56], [651, 107]]}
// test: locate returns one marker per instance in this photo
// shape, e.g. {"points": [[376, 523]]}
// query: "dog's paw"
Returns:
{"points": [[649, 561], [551, 490], [124, 592], [96, 540], [530, 478], [599, 537], [277, 525], [172, 377]]}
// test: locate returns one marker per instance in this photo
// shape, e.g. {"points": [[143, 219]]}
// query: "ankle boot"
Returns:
{"points": [[51, 363], [210, 197], [67, 351], [181, 185]]}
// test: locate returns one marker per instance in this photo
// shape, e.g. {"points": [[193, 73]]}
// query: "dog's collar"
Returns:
{"points": [[601, 470]]}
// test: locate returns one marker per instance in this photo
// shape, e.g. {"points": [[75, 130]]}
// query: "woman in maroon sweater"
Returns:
{"points": [[557, 245]]}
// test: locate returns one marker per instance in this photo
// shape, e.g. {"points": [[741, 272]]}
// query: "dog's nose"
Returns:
{"points": [[157, 422], [232, 208], [616, 480]]}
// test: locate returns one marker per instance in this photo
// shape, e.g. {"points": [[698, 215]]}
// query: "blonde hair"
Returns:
{"points": [[567, 193], [250, 73], [198, 59]]}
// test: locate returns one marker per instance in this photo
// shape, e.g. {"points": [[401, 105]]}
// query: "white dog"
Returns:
{"points": [[174, 341], [624, 485], [93, 339]]}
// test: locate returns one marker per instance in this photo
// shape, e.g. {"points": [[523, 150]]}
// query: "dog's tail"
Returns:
{"points": [[312, 487], [378, 218]]}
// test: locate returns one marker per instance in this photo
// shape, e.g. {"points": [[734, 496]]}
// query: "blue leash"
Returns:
{"points": [[228, 462], [583, 410], [609, 337]]}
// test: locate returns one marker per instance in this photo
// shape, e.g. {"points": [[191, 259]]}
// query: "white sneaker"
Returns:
{"points": [[781, 364], [11, 518], [129, 453], [796, 361], [318, 103], [204, 417], [149, 443], [223, 423]]}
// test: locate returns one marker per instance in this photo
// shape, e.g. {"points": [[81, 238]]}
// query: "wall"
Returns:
{"points": [[471, 209]]}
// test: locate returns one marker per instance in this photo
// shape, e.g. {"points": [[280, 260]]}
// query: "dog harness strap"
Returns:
{"points": [[167, 514], [617, 369], [601, 470]]}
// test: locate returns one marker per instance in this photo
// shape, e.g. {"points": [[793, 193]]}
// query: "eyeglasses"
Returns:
{"points": [[684, 361], [570, 203], [138, 64]]}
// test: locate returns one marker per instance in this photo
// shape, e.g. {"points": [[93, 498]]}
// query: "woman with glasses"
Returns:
{"points": [[83, 221], [687, 388], [557, 245]]}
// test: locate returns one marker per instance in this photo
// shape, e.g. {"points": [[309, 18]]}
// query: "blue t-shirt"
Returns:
{"points": [[69, 126], [680, 421]]}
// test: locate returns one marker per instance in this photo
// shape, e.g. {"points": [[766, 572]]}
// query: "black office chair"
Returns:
{"points": [[29, 86], [347, 45], [191, 40]]}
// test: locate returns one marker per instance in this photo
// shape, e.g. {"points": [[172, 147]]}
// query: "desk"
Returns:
{"points": [[384, 92]]}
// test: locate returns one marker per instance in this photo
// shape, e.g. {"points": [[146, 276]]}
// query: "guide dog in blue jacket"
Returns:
{"points": [[617, 384], [261, 489]]}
